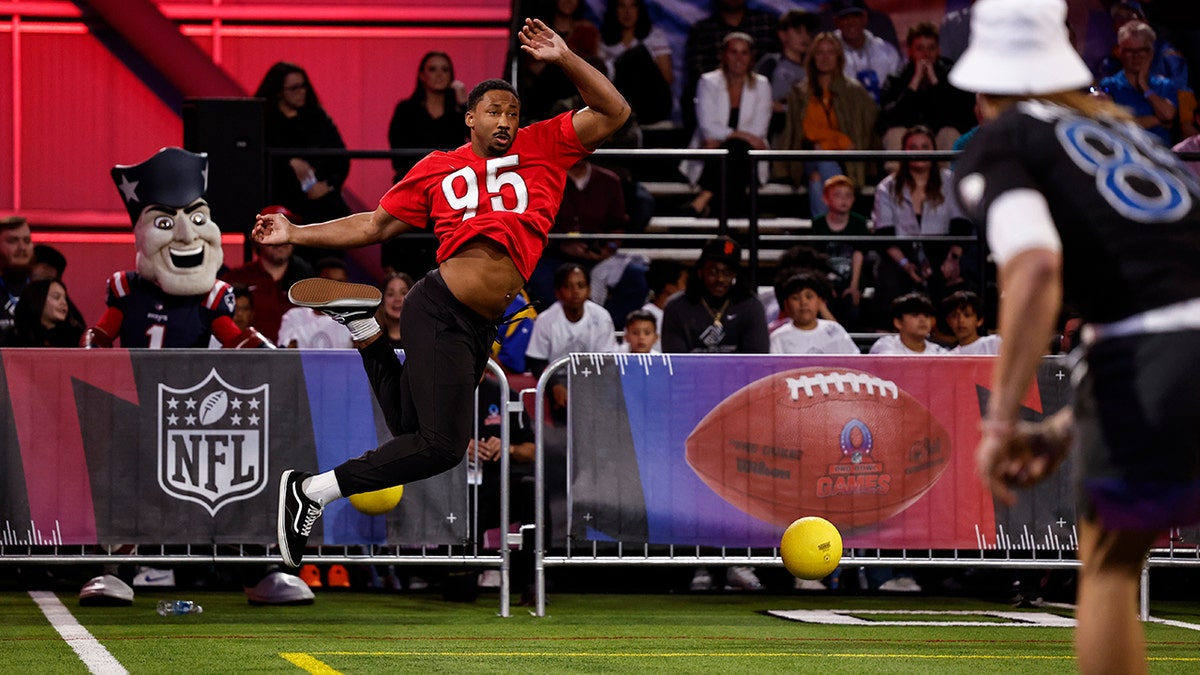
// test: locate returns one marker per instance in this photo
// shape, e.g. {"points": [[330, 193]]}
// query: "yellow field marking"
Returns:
{"points": [[310, 664], [996, 657]]}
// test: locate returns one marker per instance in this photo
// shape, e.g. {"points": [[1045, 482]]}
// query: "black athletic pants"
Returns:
{"points": [[428, 401]]}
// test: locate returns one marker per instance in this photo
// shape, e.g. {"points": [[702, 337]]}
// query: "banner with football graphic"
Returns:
{"points": [[727, 450], [186, 446]]}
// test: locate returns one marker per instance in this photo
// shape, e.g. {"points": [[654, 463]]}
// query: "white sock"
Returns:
{"points": [[362, 329], [322, 488]]}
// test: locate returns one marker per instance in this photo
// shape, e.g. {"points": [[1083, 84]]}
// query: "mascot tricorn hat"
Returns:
{"points": [[172, 177]]}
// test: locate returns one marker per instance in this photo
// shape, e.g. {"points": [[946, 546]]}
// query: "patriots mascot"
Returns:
{"points": [[173, 299]]}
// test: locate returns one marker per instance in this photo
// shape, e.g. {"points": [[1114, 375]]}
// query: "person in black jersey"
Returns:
{"points": [[1081, 206]]}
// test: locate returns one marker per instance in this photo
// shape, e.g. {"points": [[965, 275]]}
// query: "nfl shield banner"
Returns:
{"points": [[186, 446]]}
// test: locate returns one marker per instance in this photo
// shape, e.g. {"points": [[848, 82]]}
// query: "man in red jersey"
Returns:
{"points": [[491, 204]]}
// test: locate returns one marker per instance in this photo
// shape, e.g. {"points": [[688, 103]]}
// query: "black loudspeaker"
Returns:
{"points": [[230, 130]]}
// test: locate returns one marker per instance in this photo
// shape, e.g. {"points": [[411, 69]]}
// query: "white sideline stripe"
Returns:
{"points": [[1176, 624], [93, 654]]}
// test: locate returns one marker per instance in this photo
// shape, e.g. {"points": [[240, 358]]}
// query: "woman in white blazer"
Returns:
{"points": [[733, 111]]}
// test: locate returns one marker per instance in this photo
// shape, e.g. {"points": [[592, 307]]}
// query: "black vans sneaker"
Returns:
{"points": [[341, 300], [297, 513]]}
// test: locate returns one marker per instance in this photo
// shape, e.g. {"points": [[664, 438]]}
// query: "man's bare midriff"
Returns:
{"points": [[483, 277]]}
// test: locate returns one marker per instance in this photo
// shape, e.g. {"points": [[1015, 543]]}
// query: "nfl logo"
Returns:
{"points": [[212, 442]]}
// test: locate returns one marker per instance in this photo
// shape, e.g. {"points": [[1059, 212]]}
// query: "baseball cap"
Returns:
{"points": [[844, 7], [723, 250]]}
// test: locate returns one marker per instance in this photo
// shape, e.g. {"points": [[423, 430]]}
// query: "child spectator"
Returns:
{"points": [[963, 314], [243, 307], [845, 258], [641, 333], [784, 68], [572, 324], [912, 316], [802, 297], [42, 318]]}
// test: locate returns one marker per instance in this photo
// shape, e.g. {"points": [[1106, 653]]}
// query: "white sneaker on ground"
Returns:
{"points": [[489, 579], [900, 585], [808, 585], [148, 576], [702, 580], [742, 578]]}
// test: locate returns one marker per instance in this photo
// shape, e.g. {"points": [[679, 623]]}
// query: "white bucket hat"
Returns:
{"points": [[1020, 47]]}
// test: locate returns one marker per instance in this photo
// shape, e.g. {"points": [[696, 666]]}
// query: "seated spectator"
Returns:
{"points": [[593, 203], [268, 277], [308, 186], [796, 259], [664, 278], [306, 328], [1152, 98], [963, 315], [827, 112], [540, 87], [869, 58], [42, 318], [912, 317], [433, 116], [784, 68], [716, 313], [243, 307], [572, 324], [920, 93], [641, 333], [705, 42], [802, 297], [845, 258], [638, 58], [395, 287], [915, 200], [733, 111], [50, 264], [16, 258]]}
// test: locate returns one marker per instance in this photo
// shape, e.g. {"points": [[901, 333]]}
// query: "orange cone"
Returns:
{"points": [[310, 575], [338, 577]]}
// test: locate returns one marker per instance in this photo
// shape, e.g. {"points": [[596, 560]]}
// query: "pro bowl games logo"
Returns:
{"points": [[212, 442]]}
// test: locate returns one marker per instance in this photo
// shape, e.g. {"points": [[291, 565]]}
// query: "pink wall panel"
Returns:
{"points": [[82, 112], [360, 79], [6, 120]]}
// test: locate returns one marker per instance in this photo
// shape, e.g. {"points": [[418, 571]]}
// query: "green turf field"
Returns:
{"points": [[724, 633]]}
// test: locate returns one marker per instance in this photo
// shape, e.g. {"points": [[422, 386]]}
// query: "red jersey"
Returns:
{"points": [[511, 199]]}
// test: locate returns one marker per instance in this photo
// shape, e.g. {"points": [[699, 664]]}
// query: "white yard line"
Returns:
{"points": [[93, 654]]}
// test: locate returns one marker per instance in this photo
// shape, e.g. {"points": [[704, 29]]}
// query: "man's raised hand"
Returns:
{"points": [[542, 43], [271, 228]]}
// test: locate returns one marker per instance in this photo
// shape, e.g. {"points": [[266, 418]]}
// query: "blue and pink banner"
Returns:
{"points": [[728, 450]]}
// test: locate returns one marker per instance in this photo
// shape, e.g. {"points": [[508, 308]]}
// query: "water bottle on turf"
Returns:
{"points": [[178, 607]]}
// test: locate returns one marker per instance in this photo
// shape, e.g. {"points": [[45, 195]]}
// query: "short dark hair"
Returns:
{"points": [[912, 303], [490, 85], [661, 273], [798, 18], [12, 222], [640, 315], [923, 29], [564, 271], [243, 291], [961, 300], [330, 262], [802, 280]]}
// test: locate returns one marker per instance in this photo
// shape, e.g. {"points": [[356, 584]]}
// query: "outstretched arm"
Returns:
{"points": [[358, 229], [606, 109]]}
